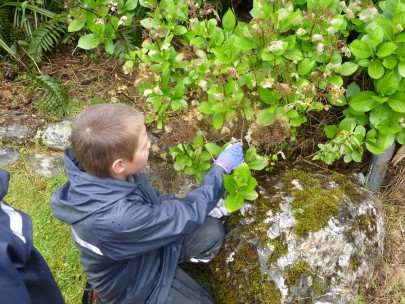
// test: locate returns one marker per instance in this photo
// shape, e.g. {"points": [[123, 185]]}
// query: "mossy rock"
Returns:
{"points": [[307, 236]]}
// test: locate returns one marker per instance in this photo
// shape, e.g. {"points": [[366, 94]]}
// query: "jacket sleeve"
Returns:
{"points": [[25, 276], [139, 228]]}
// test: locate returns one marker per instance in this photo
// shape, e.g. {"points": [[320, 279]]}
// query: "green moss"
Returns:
{"points": [[240, 280], [347, 186], [280, 249], [313, 205], [355, 261], [367, 223], [301, 268]]}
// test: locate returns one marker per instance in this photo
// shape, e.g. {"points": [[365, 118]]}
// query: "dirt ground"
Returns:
{"points": [[91, 80]]}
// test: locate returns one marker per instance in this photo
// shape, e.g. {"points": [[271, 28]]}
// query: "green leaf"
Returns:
{"points": [[360, 49], [89, 41], [347, 124], [305, 66], [230, 183], [179, 30], [213, 149], [348, 68], [401, 68], [352, 89], [397, 102], [266, 116], [205, 107], [362, 102], [388, 84], [375, 69], [244, 44], [218, 120], [330, 131], [400, 38], [233, 202], [336, 80], [130, 5], [294, 54], [109, 46], [390, 62], [229, 20], [251, 196], [76, 25], [386, 49], [356, 156], [386, 26]]}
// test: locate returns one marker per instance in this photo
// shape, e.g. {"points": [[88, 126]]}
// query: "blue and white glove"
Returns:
{"points": [[230, 157]]}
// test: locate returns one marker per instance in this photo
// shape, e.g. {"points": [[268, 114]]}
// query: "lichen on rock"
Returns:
{"points": [[308, 236]]}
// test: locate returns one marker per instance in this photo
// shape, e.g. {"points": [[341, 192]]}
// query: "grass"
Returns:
{"points": [[30, 193]]}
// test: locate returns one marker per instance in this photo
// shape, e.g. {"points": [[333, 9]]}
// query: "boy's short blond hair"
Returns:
{"points": [[103, 133]]}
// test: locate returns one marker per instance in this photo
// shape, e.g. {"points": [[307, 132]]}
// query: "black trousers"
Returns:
{"points": [[199, 246]]}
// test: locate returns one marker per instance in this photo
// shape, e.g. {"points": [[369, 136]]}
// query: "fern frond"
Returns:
{"points": [[130, 38], [46, 37], [50, 94]]}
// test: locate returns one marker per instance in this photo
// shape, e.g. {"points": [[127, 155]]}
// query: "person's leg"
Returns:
{"points": [[199, 246], [203, 243], [186, 290]]}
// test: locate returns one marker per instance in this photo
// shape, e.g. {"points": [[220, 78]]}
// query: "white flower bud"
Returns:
{"points": [[320, 48], [317, 37], [330, 30], [267, 83], [275, 46], [301, 32]]}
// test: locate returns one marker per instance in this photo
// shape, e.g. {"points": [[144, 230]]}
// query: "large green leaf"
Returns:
{"points": [[294, 54], [130, 5], [218, 120], [397, 102], [348, 68], [234, 202], [76, 25], [386, 49], [251, 196], [229, 20], [388, 84], [362, 102], [360, 49], [89, 41], [213, 149], [390, 62], [230, 184], [375, 69], [401, 68], [305, 66]]}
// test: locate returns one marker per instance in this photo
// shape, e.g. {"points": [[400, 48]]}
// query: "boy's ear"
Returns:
{"points": [[118, 166]]}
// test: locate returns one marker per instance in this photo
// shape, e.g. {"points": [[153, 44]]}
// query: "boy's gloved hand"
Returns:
{"points": [[230, 157], [219, 210]]}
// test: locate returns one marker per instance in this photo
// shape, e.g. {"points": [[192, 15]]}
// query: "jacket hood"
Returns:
{"points": [[4, 179], [85, 194]]}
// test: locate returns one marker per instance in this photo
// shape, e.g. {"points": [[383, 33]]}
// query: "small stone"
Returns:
{"points": [[46, 165], [57, 136], [8, 156]]}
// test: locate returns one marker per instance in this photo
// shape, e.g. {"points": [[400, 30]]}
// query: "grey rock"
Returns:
{"points": [[17, 127], [46, 165], [57, 135], [8, 156], [270, 246]]}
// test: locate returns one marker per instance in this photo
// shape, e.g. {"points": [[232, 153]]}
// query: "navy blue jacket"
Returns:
{"points": [[24, 275], [130, 236]]}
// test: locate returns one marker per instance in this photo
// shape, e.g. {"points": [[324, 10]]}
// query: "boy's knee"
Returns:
{"points": [[215, 229]]}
